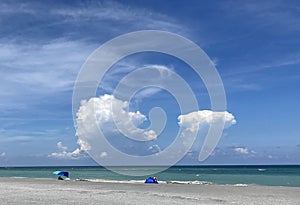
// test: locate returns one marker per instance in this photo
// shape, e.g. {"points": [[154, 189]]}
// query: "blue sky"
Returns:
{"points": [[254, 46]]}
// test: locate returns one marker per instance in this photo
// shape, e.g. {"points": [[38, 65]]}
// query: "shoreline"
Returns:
{"points": [[52, 191], [94, 180]]}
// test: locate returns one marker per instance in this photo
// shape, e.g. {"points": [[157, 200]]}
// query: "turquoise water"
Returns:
{"points": [[259, 175]]}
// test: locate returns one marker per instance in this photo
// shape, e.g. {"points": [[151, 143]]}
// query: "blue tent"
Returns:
{"points": [[60, 173], [151, 180]]}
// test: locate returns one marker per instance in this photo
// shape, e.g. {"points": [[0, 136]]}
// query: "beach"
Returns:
{"points": [[52, 191]]}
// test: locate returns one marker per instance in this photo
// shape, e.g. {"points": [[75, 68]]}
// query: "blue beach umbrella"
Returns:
{"points": [[151, 180], [60, 173]]}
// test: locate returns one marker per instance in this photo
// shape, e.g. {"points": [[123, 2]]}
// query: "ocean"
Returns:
{"points": [[234, 175]]}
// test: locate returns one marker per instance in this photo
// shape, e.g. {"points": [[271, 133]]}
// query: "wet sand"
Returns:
{"points": [[52, 191]]}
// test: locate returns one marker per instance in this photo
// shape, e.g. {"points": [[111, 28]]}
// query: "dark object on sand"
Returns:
{"points": [[151, 180], [60, 178]]}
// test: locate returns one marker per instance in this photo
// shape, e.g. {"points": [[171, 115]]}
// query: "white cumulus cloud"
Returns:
{"points": [[154, 148], [97, 113], [64, 154], [241, 150], [194, 120], [103, 154], [244, 151], [199, 120], [61, 147], [100, 109]]}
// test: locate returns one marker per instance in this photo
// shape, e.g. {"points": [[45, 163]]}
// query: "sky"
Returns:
{"points": [[254, 45]]}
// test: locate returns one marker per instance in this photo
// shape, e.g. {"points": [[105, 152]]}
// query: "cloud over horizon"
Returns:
{"points": [[97, 113], [64, 154]]}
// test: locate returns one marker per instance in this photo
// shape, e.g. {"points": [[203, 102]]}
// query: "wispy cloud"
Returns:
{"points": [[12, 8], [86, 20], [120, 75], [16, 139], [34, 72], [42, 67], [47, 57], [116, 12], [266, 40], [286, 59]]}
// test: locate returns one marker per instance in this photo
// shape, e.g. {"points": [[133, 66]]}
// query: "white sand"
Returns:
{"points": [[52, 191]]}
